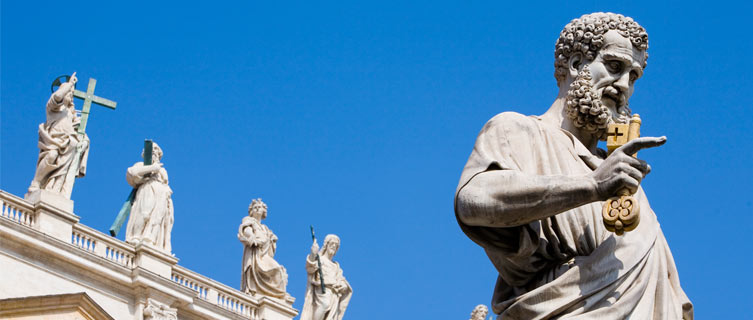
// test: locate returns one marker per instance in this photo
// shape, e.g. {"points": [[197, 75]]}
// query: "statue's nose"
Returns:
{"points": [[623, 83]]}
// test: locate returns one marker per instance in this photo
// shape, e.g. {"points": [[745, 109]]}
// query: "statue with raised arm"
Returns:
{"points": [[58, 141], [261, 273], [151, 219], [328, 303], [533, 191]]}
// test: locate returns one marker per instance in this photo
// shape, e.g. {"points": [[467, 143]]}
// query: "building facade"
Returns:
{"points": [[53, 267]]}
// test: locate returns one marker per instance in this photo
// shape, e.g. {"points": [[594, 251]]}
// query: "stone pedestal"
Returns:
{"points": [[53, 199], [155, 260], [54, 214]]}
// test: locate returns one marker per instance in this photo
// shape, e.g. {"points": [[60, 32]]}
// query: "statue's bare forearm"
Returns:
{"points": [[506, 198]]}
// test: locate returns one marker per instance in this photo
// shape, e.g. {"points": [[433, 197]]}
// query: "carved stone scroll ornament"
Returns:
{"points": [[159, 311]]}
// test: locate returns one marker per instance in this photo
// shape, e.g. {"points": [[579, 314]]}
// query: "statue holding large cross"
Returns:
{"points": [[63, 143]]}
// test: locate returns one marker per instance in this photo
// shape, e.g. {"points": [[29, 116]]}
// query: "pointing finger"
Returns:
{"points": [[638, 144], [644, 167]]}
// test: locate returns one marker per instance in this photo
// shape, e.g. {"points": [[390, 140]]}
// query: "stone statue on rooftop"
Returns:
{"points": [[58, 141], [330, 302], [261, 273], [479, 312], [532, 192], [151, 219]]}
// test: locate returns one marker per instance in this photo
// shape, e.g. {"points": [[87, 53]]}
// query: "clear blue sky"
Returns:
{"points": [[358, 118]]}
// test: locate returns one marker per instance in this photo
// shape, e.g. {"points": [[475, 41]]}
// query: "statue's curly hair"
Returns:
{"points": [[479, 310], [258, 202], [586, 35]]}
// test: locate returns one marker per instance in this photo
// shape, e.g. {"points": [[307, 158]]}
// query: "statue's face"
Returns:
{"points": [[331, 248], [257, 211], [155, 155], [615, 69]]}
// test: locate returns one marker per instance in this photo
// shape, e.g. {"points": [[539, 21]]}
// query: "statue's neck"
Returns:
{"points": [[557, 116]]}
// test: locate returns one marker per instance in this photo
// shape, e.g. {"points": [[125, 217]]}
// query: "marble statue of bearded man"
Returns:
{"points": [[58, 141], [261, 273], [330, 304], [531, 193], [151, 219]]}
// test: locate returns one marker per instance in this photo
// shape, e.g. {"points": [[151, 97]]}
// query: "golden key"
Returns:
{"points": [[622, 213]]}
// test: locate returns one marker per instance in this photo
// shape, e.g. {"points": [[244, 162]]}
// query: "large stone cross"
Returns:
{"points": [[88, 98]]}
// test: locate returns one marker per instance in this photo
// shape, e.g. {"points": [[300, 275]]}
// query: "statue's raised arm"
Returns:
{"points": [[58, 143]]}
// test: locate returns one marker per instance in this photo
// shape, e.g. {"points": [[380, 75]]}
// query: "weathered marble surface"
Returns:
{"points": [[151, 219], [331, 304], [261, 273], [57, 144], [531, 193]]}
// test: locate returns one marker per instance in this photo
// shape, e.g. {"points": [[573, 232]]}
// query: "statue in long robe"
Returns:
{"points": [[57, 143], [261, 273], [331, 304], [531, 193], [151, 219]]}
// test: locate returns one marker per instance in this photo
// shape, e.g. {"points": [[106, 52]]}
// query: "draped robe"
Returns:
{"points": [[331, 302], [261, 273], [57, 148], [569, 265], [151, 219]]}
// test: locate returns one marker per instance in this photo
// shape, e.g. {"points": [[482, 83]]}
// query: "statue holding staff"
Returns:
{"points": [[330, 303]]}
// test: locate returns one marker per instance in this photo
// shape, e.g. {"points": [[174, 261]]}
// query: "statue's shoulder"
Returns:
{"points": [[512, 120], [247, 220], [510, 116]]}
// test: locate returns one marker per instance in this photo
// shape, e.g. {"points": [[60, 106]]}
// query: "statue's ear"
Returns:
{"points": [[575, 63]]}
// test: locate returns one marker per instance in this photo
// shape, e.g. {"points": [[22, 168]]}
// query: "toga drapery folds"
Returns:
{"points": [[569, 265], [261, 273], [152, 212], [334, 301], [57, 148]]}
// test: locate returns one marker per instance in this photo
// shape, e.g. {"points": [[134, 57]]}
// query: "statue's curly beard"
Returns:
{"points": [[584, 107]]}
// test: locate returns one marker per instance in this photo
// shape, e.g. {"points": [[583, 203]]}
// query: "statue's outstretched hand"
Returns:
{"points": [[314, 248], [622, 170], [68, 86]]}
